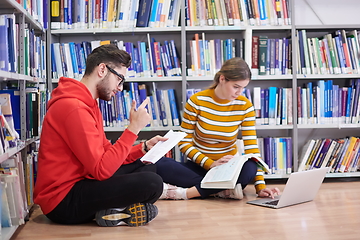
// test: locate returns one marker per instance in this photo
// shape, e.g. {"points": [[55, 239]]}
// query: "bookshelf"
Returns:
{"points": [[305, 15], [23, 66]]}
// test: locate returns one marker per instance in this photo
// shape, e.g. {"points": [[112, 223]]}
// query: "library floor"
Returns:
{"points": [[334, 214]]}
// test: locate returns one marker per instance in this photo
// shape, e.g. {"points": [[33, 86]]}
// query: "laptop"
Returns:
{"points": [[301, 187]]}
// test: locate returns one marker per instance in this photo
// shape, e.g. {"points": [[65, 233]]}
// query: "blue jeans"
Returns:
{"points": [[190, 174]]}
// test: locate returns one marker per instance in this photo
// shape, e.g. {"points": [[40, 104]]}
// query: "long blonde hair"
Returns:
{"points": [[233, 69]]}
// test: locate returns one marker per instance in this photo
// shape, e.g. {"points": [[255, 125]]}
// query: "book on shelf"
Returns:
{"points": [[162, 147], [226, 175], [4, 207]]}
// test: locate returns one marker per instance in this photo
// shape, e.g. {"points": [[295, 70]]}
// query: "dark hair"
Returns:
{"points": [[109, 54], [234, 69]]}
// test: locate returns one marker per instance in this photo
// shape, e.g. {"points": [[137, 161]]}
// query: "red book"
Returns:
{"points": [[255, 53]]}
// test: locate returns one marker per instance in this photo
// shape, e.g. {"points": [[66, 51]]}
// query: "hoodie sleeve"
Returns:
{"points": [[85, 136]]}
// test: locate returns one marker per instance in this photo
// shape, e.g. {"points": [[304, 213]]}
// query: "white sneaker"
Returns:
{"points": [[173, 192], [236, 193]]}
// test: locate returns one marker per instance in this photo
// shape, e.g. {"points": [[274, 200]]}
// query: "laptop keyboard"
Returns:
{"points": [[274, 203]]}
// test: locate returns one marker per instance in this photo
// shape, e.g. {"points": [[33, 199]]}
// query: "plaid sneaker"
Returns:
{"points": [[134, 215], [236, 193]]}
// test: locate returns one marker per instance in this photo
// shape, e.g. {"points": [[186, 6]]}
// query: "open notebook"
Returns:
{"points": [[301, 187]]}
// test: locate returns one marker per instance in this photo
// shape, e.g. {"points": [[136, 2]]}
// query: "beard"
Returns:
{"points": [[103, 89]]}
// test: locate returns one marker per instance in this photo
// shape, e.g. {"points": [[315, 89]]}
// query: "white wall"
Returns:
{"points": [[329, 12]]}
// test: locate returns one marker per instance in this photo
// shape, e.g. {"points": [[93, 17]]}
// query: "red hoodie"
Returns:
{"points": [[73, 145]]}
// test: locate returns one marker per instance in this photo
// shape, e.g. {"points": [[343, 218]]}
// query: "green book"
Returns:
{"points": [[263, 40]]}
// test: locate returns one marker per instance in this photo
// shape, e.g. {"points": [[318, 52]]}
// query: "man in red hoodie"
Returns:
{"points": [[81, 175]]}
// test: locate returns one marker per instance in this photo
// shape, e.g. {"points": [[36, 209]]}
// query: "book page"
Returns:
{"points": [[224, 172], [161, 148]]}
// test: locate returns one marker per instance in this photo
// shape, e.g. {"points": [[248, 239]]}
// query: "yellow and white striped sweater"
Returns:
{"points": [[212, 126]]}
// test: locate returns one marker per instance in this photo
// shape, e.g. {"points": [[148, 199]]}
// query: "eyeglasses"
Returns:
{"points": [[119, 75]]}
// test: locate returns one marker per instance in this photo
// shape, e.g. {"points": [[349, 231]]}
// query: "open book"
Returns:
{"points": [[225, 176], [161, 148]]}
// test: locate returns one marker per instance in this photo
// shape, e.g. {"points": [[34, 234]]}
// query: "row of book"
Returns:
{"points": [[76, 14], [323, 102], [37, 9], [273, 105], [237, 12], [16, 187], [36, 99], [334, 53], [151, 59], [162, 108], [271, 56], [207, 56], [341, 155], [276, 152], [34, 49], [14, 205]]}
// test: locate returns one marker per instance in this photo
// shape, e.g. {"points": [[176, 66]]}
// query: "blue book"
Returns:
{"points": [[130, 50], [153, 13], [302, 53], [87, 48], [119, 109], [144, 60], [158, 13], [348, 104], [262, 10], [144, 13], [82, 57], [141, 60], [326, 101], [134, 89], [289, 154], [171, 15], [70, 14], [78, 58], [53, 62], [268, 152], [187, 13], [11, 43], [274, 155], [321, 104], [285, 52], [4, 46], [310, 101], [173, 107], [262, 109], [165, 62], [266, 112], [272, 105], [330, 99], [218, 57], [176, 58], [162, 109], [137, 63], [74, 60], [153, 112], [169, 57], [202, 58]]}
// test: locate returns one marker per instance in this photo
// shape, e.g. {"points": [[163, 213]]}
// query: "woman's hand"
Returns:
{"points": [[221, 161], [269, 192]]}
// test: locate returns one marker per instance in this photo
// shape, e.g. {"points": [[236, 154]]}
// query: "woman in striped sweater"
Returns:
{"points": [[212, 120]]}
